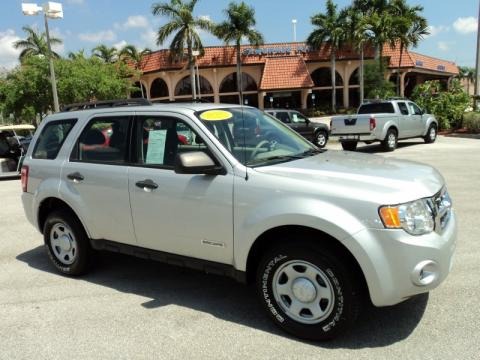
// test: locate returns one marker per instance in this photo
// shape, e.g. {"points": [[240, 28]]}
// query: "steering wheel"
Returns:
{"points": [[258, 147]]}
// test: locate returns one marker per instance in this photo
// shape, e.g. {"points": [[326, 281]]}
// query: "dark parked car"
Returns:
{"points": [[315, 132], [14, 142]]}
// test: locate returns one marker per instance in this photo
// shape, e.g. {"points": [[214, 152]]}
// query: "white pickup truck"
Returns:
{"points": [[386, 121]]}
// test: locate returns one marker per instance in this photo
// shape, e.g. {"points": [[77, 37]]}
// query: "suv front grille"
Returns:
{"points": [[441, 205]]}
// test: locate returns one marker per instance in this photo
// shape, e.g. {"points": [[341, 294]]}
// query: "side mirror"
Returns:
{"points": [[197, 162]]}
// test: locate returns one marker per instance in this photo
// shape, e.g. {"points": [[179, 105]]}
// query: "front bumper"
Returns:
{"points": [[397, 265]]}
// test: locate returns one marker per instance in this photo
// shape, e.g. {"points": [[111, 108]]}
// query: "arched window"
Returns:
{"points": [[159, 88], [184, 87], [229, 83], [354, 78], [137, 93], [323, 77]]}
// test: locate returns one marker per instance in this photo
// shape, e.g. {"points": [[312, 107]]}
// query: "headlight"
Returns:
{"points": [[415, 217]]}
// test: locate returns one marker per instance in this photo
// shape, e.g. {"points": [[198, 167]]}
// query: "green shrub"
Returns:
{"points": [[447, 106], [471, 121]]}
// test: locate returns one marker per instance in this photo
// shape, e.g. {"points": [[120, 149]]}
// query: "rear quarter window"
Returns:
{"points": [[51, 139], [377, 108]]}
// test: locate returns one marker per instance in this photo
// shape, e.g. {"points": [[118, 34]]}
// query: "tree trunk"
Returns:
{"points": [[362, 69], [192, 69], [334, 90], [398, 70], [239, 75]]}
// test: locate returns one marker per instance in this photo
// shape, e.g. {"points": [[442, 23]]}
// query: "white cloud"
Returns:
{"points": [[9, 58], [149, 39], [100, 36], [119, 45], [435, 30], [136, 21], [466, 25], [443, 45]]}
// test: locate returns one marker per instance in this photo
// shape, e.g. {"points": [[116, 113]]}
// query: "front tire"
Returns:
{"points": [[307, 291], [321, 138], [66, 243], [391, 140], [431, 135]]}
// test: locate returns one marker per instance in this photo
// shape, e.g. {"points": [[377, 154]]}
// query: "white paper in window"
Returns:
{"points": [[156, 146]]}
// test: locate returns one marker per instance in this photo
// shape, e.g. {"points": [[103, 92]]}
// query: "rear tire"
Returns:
{"points": [[431, 135], [66, 243], [349, 145], [321, 138], [307, 291], [391, 140]]}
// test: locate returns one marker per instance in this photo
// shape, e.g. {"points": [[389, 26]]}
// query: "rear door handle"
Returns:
{"points": [[76, 176], [147, 184]]}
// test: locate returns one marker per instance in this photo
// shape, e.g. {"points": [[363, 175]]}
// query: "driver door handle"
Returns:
{"points": [[147, 184]]}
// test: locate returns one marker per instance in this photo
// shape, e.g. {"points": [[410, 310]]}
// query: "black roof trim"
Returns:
{"points": [[106, 104]]}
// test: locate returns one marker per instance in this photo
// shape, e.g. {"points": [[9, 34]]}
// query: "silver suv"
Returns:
{"points": [[192, 185]]}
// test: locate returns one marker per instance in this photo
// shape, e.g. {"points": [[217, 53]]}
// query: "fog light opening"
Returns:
{"points": [[425, 273]]}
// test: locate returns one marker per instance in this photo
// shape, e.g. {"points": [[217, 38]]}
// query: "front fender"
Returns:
{"points": [[431, 119], [311, 213]]}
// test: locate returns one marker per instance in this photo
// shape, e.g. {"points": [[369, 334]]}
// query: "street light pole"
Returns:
{"points": [[53, 80], [477, 70], [52, 10], [294, 23]]}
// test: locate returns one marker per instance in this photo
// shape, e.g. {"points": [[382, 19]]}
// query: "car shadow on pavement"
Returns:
{"points": [[228, 300], [377, 147]]}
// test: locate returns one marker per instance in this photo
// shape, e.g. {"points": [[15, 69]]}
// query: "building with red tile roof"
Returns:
{"points": [[283, 74]]}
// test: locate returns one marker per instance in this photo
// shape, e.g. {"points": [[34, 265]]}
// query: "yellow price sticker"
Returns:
{"points": [[215, 115]]}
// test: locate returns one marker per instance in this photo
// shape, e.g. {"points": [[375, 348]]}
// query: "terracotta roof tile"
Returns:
{"points": [[412, 59], [216, 56], [287, 72]]}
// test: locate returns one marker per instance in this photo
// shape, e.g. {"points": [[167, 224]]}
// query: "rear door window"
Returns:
{"points": [[282, 116], [403, 108], [51, 139], [104, 140]]}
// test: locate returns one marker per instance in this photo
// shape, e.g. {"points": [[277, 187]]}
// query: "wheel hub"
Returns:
{"points": [[65, 243], [304, 290]]}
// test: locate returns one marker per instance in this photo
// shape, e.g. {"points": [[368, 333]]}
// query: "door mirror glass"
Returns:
{"points": [[196, 162]]}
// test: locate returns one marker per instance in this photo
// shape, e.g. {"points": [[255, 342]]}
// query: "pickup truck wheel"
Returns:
{"points": [[66, 243], [390, 142], [321, 138], [307, 292], [349, 145], [431, 134]]}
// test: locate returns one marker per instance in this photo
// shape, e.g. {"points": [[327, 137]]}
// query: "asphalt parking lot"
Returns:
{"points": [[131, 308]]}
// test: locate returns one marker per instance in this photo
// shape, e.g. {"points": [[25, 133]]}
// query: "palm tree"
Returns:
{"points": [[131, 54], [239, 25], [108, 54], [358, 36], [185, 27], [409, 28], [80, 54], [35, 44], [329, 28]]}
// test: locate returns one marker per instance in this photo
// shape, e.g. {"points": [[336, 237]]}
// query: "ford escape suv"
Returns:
{"points": [[314, 230]]}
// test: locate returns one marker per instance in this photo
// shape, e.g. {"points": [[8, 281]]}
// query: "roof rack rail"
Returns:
{"points": [[105, 104]]}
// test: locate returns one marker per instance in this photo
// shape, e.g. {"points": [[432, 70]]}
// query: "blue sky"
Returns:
{"points": [[87, 23]]}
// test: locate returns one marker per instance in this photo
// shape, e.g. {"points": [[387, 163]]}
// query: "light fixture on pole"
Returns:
{"points": [[196, 53], [294, 23], [52, 10]]}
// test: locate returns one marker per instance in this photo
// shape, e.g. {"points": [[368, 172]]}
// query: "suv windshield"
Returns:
{"points": [[255, 138]]}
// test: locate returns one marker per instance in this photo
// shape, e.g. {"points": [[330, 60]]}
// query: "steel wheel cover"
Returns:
{"points": [[303, 291], [63, 243]]}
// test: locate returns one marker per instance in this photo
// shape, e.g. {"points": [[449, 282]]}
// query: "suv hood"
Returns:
{"points": [[389, 181]]}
